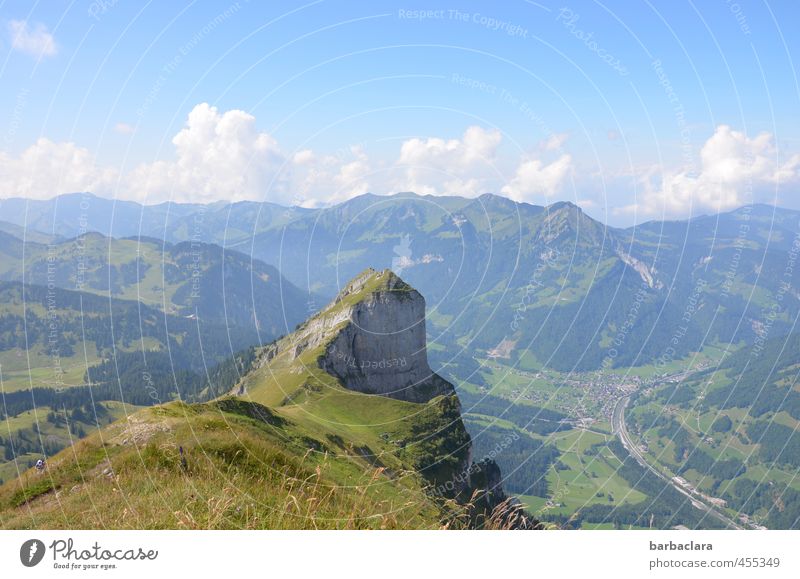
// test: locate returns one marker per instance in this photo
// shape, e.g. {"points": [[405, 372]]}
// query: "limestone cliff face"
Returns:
{"points": [[374, 339]]}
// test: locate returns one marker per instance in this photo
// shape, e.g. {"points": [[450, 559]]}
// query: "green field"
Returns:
{"points": [[581, 479]]}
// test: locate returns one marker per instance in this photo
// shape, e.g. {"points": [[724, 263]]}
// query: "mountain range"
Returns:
{"points": [[541, 319], [548, 283]]}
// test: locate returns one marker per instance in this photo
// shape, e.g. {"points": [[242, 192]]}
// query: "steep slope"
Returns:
{"points": [[28, 234], [67, 332], [320, 434], [359, 369], [223, 465], [63, 353], [96, 319]]}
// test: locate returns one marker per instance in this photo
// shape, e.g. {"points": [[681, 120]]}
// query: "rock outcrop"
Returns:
{"points": [[373, 339]]}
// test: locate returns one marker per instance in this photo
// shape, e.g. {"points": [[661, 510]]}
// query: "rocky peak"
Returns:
{"points": [[370, 281], [565, 221], [372, 339]]}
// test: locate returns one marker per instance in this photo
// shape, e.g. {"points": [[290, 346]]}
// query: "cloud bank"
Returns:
{"points": [[47, 168], [222, 155], [734, 170]]}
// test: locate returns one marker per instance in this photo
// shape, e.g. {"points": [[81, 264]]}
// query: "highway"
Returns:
{"points": [[619, 427]]}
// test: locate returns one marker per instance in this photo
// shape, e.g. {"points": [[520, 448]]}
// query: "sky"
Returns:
{"points": [[633, 110]]}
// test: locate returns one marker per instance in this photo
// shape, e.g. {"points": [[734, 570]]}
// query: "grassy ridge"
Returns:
{"points": [[244, 468]]}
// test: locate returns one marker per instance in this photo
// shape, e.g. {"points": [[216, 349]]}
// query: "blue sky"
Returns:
{"points": [[633, 109]]}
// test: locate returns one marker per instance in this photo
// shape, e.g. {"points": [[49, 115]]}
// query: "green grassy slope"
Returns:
{"points": [[245, 467], [295, 449]]}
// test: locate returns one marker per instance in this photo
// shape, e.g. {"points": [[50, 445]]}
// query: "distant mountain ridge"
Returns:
{"points": [[549, 283], [194, 278], [72, 214]]}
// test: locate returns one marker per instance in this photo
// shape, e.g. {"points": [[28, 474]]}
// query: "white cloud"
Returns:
{"points": [[35, 41], [223, 156], [218, 156], [352, 176], [535, 179], [303, 157], [124, 129], [316, 180], [476, 145], [436, 166], [46, 169], [469, 167], [428, 166], [734, 169]]}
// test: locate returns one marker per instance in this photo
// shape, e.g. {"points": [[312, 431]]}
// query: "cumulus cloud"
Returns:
{"points": [[323, 179], [476, 145], [32, 40], [449, 167], [734, 169], [352, 176], [535, 179], [217, 156], [469, 167], [46, 169], [304, 157]]}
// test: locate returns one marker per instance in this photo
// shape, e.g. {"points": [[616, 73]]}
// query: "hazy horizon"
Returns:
{"points": [[589, 212]]}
